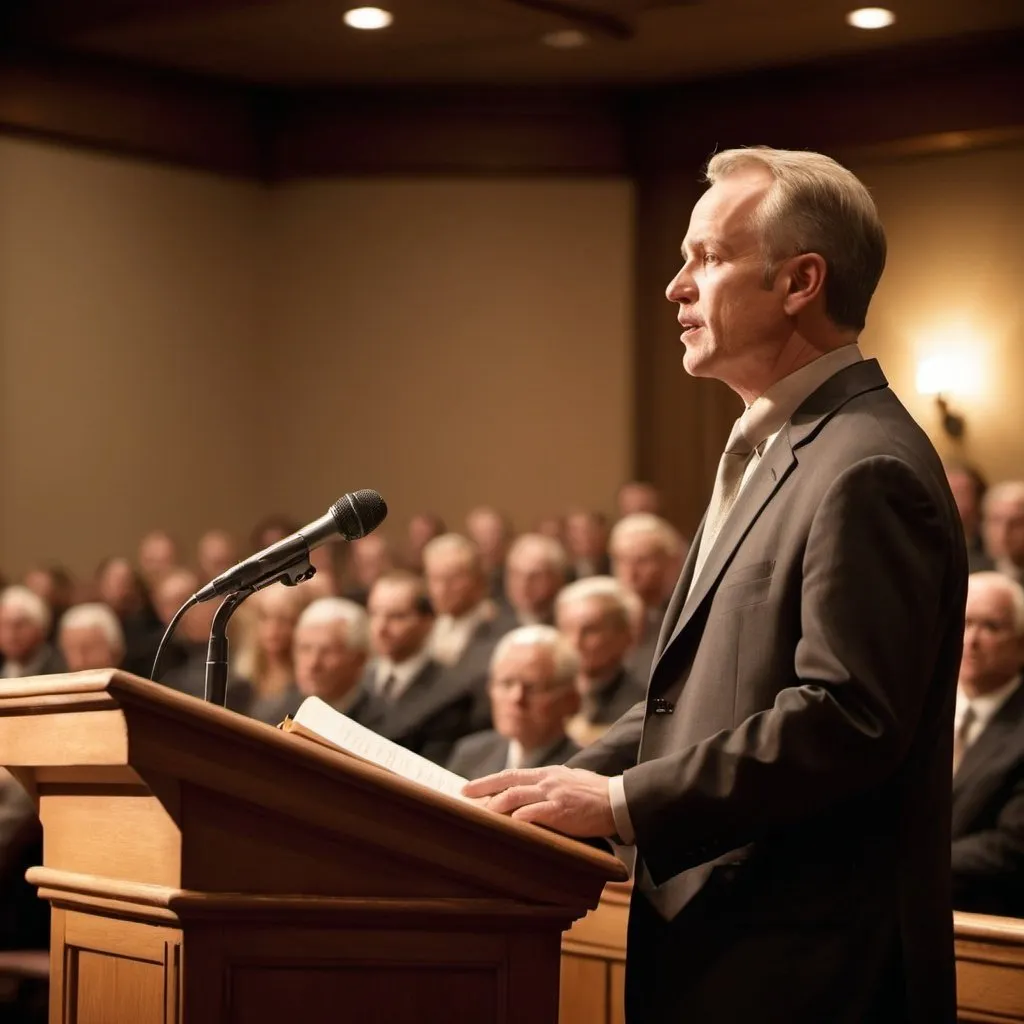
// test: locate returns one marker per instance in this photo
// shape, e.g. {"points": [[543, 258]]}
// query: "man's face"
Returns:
{"points": [[641, 565], [733, 326], [217, 552], [117, 586], [20, 636], [325, 666], [526, 703], [966, 497], [454, 585], [531, 584], [585, 535], [993, 652], [277, 611], [397, 628], [157, 555], [601, 639], [87, 647], [487, 530], [371, 558], [1003, 528]]}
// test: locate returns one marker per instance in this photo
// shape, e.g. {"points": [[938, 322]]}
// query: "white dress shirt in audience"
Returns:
{"points": [[452, 635], [983, 710], [402, 674]]}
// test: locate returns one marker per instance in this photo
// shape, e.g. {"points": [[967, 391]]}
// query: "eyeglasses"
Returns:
{"points": [[531, 691]]}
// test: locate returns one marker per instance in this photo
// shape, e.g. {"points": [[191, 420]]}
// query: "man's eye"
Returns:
{"points": [[710, 257]]}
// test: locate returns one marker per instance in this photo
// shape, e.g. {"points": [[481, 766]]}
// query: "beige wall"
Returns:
{"points": [[954, 283], [186, 350]]}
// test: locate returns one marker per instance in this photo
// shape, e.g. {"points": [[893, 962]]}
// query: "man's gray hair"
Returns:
{"points": [[547, 547], [339, 609], [1006, 491], [816, 205], [646, 523], [1013, 590], [454, 544], [623, 604], [95, 615], [21, 600], [564, 658]]}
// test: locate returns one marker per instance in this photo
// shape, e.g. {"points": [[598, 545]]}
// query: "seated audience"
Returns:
{"points": [[330, 650], [535, 570], [532, 689], [988, 751], [647, 554], [369, 558], [553, 527], [422, 529], [24, 626], [638, 496], [586, 540], [264, 656], [24, 917], [418, 704], [968, 487], [492, 533], [328, 560], [597, 615], [91, 637], [216, 552], [157, 556], [54, 585], [468, 625], [1002, 527], [120, 587]]}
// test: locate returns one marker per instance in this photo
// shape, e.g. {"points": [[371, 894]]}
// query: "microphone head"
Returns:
{"points": [[359, 513]]}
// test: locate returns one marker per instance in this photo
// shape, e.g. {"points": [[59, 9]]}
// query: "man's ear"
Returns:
{"points": [[804, 280]]}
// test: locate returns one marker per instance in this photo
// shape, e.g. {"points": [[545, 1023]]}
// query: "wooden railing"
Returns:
{"points": [[989, 965]]}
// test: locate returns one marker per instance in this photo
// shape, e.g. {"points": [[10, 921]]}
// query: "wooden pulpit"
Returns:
{"points": [[203, 867]]}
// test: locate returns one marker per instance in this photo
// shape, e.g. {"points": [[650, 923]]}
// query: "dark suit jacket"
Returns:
{"points": [[427, 718], [789, 772], [640, 659], [472, 670], [988, 817], [486, 752], [612, 702]]}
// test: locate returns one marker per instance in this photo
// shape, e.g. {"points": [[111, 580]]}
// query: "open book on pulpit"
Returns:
{"points": [[316, 720]]}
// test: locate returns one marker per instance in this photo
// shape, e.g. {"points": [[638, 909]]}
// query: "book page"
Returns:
{"points": [[318, 716]]}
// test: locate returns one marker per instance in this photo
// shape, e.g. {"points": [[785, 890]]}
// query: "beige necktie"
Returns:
{"points": [[731, 467], [960, 737]]}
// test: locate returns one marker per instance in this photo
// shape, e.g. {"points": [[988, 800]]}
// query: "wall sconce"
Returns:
{"points": [[943, 376]]}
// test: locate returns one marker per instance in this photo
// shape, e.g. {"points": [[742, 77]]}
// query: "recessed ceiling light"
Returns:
{"points": [[870, 17], [368, 18], [565, 39]]}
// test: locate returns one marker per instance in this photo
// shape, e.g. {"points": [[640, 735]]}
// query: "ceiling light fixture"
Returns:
{"points": [[565, 39], [870, 17], [368, 18]]}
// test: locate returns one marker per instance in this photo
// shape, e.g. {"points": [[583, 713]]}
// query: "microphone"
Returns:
{"points": [[352, 516]]}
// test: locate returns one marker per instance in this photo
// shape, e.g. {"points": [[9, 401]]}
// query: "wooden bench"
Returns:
{"points": [[989, 965]]}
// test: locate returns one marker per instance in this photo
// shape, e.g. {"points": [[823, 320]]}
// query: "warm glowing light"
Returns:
{"points": [[870, 17], [565, 39], [949, 373], [368, 18]]}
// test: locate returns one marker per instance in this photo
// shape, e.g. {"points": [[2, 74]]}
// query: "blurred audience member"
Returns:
{"points": [[330, 651], [492, 533], [216, 552], [418, 704], [968, 487], [647, 554], [422, 529], [55, 586], [120, 587], [553, 527], [24, 626], [586, 539], [597, 615], [536, 569], [468, 625], [24, 917], [91, 637], [264, 657], [157, 556], [369, 558], [533, 693], [638, 496], [988, 751], [1003, 527], [270, 530], [327, 560]]}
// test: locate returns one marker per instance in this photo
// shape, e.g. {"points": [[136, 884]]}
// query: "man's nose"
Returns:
{"points": [[681, 288]]}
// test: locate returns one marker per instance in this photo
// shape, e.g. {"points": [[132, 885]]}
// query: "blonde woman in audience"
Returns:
{"points": [[265, 654]]}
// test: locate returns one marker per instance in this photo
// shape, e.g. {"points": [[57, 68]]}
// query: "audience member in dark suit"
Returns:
{"points": [[468, 624], [533, 693], [646, 553], [596, 616], [1002, 527], [418, 705], [332, 643], [54, 584], [787, 780], [121, 588], [24, 626], [586, 540], [91, 637], [492, 533], [988, 751], [24, 918], [536, 569], [968, 488]]}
